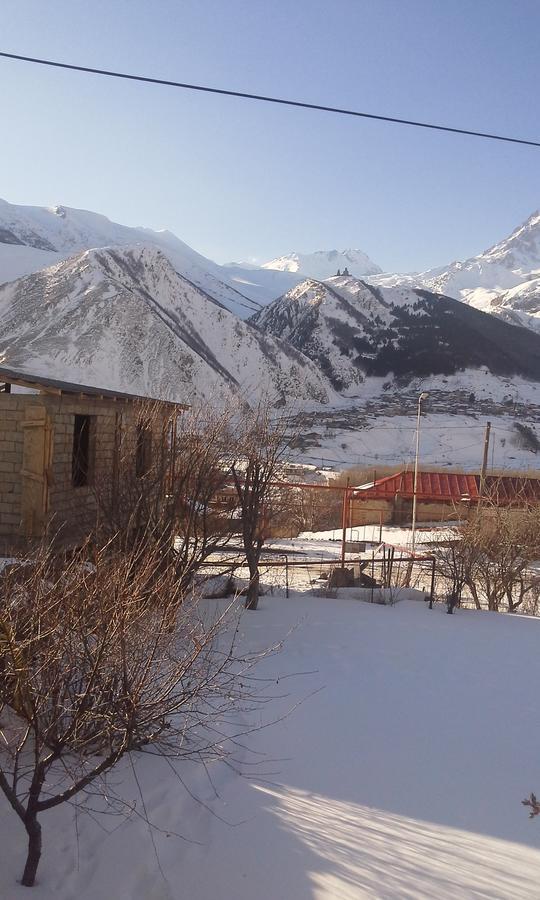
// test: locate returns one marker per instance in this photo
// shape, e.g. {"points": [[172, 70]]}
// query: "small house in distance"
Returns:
{"points": [[57, 442], [440, 496]]}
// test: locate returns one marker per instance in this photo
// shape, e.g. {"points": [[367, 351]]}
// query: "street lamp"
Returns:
{"points": [[423, 396]]}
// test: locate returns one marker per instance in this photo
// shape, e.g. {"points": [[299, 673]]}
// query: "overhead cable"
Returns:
{"points": [[245, 95]]}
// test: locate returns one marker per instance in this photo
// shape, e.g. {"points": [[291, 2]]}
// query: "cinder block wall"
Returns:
{"points": [[12, 414], [441, 512], [369, 513], [399, 512], [72, 510]]}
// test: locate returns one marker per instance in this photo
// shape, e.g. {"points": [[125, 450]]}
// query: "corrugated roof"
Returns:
{"points": [[511, 489], [52, 385], [453, 487]]}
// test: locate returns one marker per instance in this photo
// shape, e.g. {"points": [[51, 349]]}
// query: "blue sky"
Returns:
{"points": [[239, 180]]}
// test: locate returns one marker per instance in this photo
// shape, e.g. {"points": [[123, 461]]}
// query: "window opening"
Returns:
{"points": [[80, 464], [143, 450]]}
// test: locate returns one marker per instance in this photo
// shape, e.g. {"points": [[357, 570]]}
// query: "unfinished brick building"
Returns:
{"points": [[57, 441]]}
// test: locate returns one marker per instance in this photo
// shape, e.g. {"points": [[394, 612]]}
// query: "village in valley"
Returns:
{"points": [[269, 529]]}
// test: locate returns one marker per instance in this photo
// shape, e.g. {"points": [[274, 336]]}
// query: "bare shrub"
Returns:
{"points": [[527, 438], [492, 555], [103, 654], [320, 510], [167, 491]]}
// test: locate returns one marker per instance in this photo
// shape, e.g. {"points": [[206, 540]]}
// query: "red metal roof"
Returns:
{"points": [[510, 489], [453, 487]]}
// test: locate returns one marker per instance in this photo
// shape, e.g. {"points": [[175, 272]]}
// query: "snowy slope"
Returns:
{"points": [[354, 331], [33, 237], [124, 319], [520, 252], [395, 771], [519, 305], [324, 263], [261, 285]]}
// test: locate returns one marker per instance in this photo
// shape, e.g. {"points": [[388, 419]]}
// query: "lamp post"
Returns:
{"points": [[423, 396]]}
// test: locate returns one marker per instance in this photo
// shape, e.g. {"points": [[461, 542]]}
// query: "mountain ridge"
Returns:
{"points": [[33, 238], [123, 318], [354, 330], [501, 280], [494, 280]]}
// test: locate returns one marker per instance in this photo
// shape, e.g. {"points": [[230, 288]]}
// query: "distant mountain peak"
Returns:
{"points": [[520, 251], [323, 264], [500, 280]]}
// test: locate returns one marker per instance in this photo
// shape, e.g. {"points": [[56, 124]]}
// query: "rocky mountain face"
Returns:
{"points": [[324, 264], [354, 331], [123, 318]]}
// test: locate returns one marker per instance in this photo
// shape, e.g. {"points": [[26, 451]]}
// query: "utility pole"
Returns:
{"points": [[484, 458]]}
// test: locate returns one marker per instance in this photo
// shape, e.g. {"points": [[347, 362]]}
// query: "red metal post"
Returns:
{"points": [[344, 523]]}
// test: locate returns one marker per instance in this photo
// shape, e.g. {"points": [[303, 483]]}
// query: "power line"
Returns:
{"points": [[244, 95]]}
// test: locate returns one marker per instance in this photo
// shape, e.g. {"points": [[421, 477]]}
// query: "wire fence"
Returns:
{"points": [[382, 576]]}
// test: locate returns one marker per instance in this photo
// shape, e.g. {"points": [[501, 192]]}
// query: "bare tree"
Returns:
{"points": [[454, 558], [165, 487], [101, 656], [262, 443], [318, 509], [491, 556]]}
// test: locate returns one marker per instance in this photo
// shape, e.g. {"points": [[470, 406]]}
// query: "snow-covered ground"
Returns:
{"points": [[446, 441], [394, 535], [379, 427], [400, 775]]}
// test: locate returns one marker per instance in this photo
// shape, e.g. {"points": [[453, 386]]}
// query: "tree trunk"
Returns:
{"points": [[252, 596], [33, 829], [474, 594]]}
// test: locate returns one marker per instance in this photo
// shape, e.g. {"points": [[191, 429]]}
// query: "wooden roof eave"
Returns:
{"points": [[57, 391]]}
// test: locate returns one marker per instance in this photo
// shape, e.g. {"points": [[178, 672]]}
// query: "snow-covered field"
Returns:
{"points": [[400, 775], [395, 535], [447, 441], [379, 428]]}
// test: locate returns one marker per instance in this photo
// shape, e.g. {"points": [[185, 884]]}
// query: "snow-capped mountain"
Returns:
{"points": [[502, 280], [519, 305], [123, 318], [354, 331], [33, 237], [260, 285], [520, 252], [324, 264], [507, 264]]}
